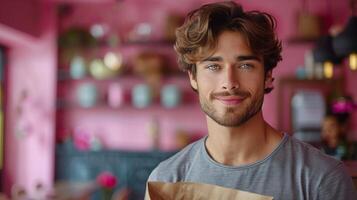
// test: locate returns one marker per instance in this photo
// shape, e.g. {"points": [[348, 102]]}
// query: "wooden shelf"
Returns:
{"points": [[126, 107], [300, 40], [307, 81], [126, 76], [124, 44], [148, 42]]}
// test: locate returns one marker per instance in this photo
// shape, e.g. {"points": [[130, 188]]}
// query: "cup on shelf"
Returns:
{"points": [[141, 96], [100, 71], [77, 67], [87, 95], [300, 72], [170, 96], [115, 95]]}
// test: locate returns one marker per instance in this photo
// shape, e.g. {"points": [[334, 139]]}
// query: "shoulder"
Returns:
{"points": [[337, 184], [174, 168], [330, 176], [311, 157]]}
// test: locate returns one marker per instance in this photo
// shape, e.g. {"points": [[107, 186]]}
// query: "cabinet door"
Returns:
{"points": [[287, 87], [2, 103]]}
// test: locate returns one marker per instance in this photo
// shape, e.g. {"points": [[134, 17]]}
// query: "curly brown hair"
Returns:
{"points": [[196, 39]]}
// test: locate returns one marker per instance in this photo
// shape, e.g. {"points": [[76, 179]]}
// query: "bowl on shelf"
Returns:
{"points": [[115, 95], [87, 95], [77, 67], [141, 96], [99, 70], [170, 96]]}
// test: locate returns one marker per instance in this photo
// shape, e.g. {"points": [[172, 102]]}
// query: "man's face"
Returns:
{"points": [[231, 82], [330, 128]]}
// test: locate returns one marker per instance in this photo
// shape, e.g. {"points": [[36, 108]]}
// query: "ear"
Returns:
{"points": [[193, 81], [269, 79]]}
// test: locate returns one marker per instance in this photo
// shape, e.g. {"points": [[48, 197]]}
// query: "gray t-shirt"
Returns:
{"points": [[294, 170]]}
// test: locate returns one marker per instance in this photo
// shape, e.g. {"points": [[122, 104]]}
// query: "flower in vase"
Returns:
{"points": [[107, 181], [343, 105]]}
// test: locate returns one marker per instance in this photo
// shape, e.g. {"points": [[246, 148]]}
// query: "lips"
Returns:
{"points": [[230, 100]]}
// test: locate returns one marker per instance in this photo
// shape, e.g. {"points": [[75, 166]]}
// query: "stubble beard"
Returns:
{"points": [[233, 116]]}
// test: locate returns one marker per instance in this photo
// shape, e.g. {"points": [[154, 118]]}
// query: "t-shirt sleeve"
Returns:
{"points": [[337, 185], [153, 175]]}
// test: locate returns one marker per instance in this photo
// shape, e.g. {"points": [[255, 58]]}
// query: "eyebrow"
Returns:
{"points": [[239, 58], [248, 57]]}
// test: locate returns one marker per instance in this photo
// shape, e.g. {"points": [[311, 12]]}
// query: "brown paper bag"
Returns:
{"points": [[197, 191]]}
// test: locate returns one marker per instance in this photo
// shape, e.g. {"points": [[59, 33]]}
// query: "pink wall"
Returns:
{"points": [[26, 20], [122, 17], [31, 68]]}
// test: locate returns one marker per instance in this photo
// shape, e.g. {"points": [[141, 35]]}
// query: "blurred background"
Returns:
{"points": [[91, 98]]}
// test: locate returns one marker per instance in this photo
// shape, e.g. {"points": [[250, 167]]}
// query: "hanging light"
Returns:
{"points": [[324, 53], [353, 61], [328, 69], [345, 43]]}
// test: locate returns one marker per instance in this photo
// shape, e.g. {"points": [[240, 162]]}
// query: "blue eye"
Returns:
{"points": [[212, 67], [245, 66]]}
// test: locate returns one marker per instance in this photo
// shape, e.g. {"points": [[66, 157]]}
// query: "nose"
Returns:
{"points": [[230, 81]]}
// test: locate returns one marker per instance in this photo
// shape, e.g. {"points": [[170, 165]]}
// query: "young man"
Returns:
{"points": [[229, 55]]}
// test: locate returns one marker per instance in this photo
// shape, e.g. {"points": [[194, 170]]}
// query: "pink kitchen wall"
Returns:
{"points": [[122, 18], [21, 20], [32, 66], [29, 134]]}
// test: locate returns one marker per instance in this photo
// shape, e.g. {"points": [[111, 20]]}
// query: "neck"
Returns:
{"points": [[244, 144]]}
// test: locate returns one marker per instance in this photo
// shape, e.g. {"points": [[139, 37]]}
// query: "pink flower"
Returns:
{"points": [[107, 180], [81, 139], [342, 106]]}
